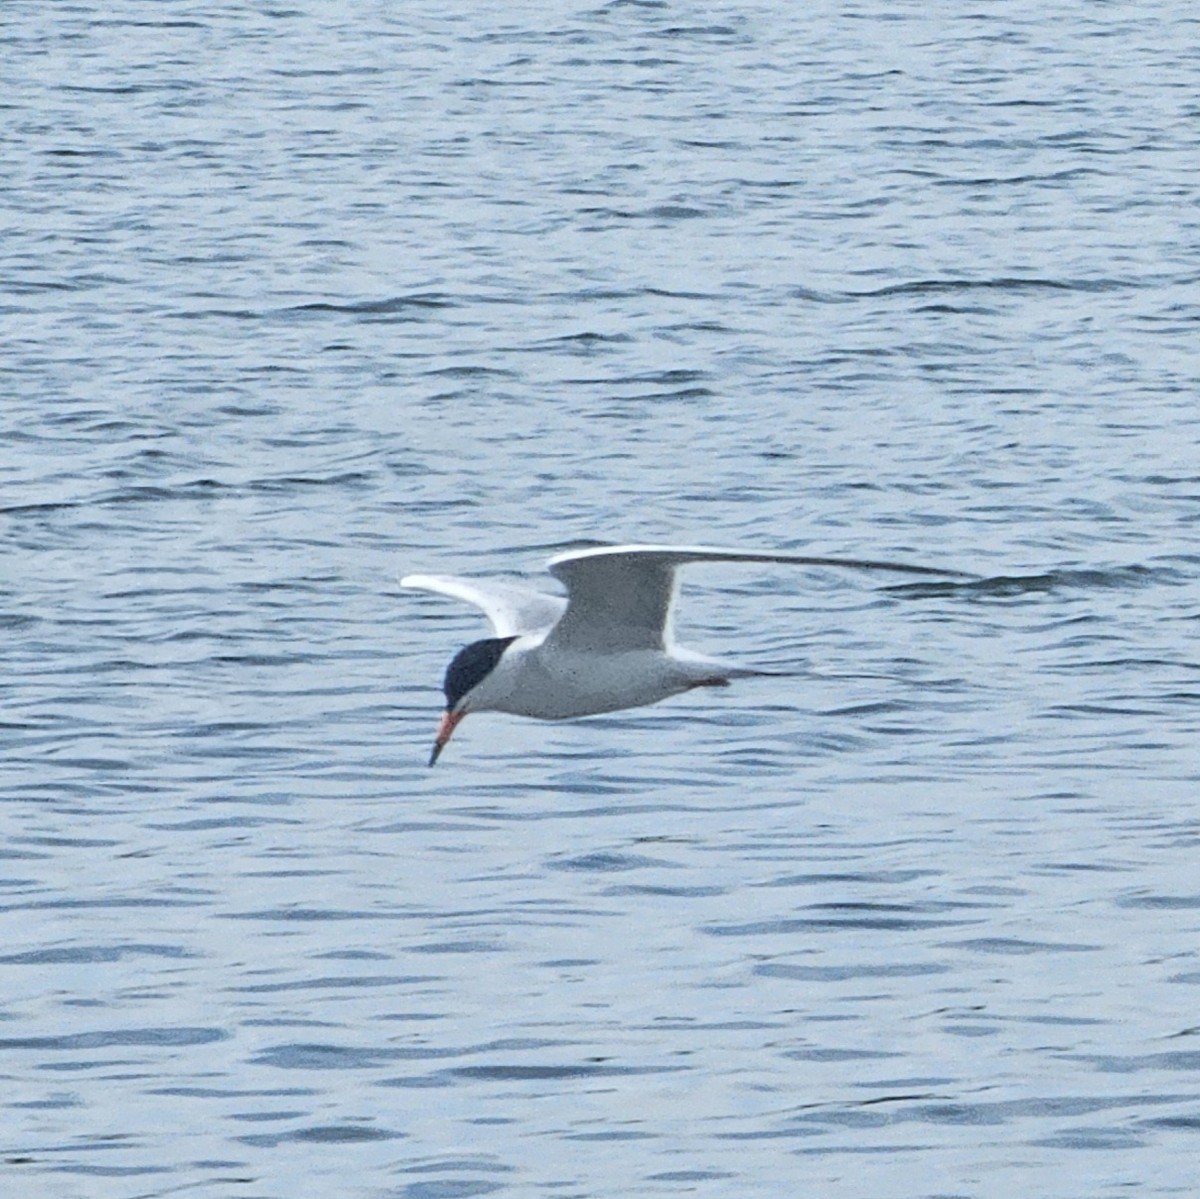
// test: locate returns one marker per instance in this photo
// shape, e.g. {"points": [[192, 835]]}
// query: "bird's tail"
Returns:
{"points": [[714, 671]]}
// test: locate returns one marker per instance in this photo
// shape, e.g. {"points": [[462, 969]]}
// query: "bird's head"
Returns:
{"points": [[468, 668]]}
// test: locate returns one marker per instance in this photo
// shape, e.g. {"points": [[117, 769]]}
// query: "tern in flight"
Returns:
{"points": [[606, 645]]}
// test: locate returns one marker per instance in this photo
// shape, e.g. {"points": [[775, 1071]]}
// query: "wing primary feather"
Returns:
{"points": [[678, 555], [620, 597], [513, 610]]}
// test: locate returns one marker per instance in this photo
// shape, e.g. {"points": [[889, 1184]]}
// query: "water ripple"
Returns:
{"points": [[298, 302]]}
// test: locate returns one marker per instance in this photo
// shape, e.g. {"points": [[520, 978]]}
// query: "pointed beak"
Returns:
{"points": [[450, 721]]}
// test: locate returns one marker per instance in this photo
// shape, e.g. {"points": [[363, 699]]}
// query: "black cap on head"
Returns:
{"points": [[471, 665]]}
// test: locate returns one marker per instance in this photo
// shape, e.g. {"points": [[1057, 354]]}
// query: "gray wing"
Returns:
{"points": [[512, 609], [620, 597]]}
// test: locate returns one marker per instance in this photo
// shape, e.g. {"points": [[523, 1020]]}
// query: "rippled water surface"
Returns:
{"points": [[299, 299]]}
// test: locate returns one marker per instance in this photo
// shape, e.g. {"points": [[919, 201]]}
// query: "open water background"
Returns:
{"points": [[297, 299]]}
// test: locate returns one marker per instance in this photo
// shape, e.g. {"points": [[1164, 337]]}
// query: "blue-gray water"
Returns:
{"points": [[298, 299]]}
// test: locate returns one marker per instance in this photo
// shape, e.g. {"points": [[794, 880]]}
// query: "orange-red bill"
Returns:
{"points": [[450, 721]]}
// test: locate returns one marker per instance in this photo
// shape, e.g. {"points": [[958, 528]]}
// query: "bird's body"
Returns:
{"points": [[566, 684], [605, 646]]}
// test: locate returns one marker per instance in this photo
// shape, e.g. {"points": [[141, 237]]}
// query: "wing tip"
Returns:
{"points": [[681, 554]]}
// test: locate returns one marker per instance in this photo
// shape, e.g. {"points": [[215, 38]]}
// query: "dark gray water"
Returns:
{"points": [[297, 300]]}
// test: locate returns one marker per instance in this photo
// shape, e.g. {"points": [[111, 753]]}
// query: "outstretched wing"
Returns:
{"points": [[619, 597], [512, 609]]}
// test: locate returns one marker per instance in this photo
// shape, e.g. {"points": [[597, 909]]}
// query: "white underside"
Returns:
{"points": [[559, 685]]}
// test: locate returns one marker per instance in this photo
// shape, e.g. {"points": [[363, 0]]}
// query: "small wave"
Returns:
{"points": [[1009, 586], [825, 974], [386, 307], [606, 863], [323, 1134], [105, 1039], [588, 338], [469, 372], [515, 1073], [921, 287]]}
